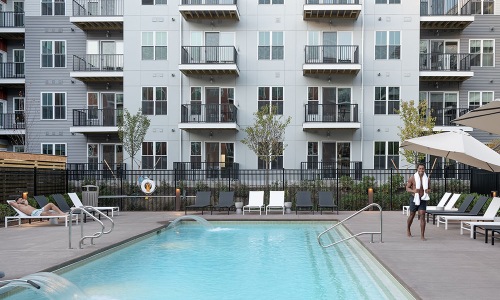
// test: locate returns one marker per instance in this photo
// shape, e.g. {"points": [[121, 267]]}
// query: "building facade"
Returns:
{"points": [[200, 69]]}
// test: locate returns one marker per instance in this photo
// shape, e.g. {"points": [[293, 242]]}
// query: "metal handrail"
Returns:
{"points": [[87, 211], [361, 233]]}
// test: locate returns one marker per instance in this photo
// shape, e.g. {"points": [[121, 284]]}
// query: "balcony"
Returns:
{"points": [[331, 116], [445, 66], [450, 14], [196, 171], [331, 9], [12, 75], [445, 116], [317, 170], [12, 25], [209, 10], [94, 120], [328, 60], [98, 14], [98, 67], [12, 123], [209, 60], [209, 116]]}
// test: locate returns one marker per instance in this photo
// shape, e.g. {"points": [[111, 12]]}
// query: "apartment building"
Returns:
{"points": [[201, 68]]}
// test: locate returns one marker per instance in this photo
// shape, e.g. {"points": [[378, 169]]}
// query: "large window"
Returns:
{"points": [[271, 1], [271, 45], [277, 157], [271, 96], [53, 8], [196, 155], [54, 149], [387, 45], [154, 2], [387, 100], [53, 54], [154, 45], [484, 7], [482, 53], [154, 155], [53, 106], [477, 99], [312, 155], [154, 100], [386, 155]]}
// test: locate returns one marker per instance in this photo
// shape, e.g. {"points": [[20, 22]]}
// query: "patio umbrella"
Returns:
{"points": [[486, 117], [456, 145]]}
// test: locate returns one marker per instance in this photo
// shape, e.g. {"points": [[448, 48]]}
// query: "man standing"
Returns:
{"points": [[419, 186]]}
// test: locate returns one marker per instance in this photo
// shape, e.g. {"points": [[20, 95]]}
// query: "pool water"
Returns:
{"points": [[237, 260]]}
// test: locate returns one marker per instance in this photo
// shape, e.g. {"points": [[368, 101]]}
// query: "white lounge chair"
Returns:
{"points": [[442, 203], [255, 202], [77, 203], [489, 214], [450, 205], [20, 216], [276, 201], [468, 225]]}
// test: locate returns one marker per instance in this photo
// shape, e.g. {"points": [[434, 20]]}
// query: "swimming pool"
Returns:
{"points": [[237, 260]]}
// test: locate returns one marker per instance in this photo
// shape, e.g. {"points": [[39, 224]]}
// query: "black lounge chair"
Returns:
{"points": [[303, 201], [473, 212], [326, 201], [226, 201], [61, 203], [463, 207], [41, 200], [202, 201]]}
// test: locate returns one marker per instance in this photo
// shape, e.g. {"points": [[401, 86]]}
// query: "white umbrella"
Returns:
{"points": [[486, 117], [456, 145]]}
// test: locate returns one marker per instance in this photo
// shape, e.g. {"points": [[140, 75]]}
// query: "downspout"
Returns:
{"points": [[361, 110], [180, 86]]}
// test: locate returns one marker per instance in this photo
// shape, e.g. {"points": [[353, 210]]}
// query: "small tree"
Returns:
{"points": [[265, 137], [131, 130], [417, 122]]}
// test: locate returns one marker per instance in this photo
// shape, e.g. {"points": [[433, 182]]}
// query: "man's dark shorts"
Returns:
{"points": [[422, 206]]}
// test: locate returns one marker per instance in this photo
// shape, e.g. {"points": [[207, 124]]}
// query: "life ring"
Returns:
{"points": [[148, 186]]}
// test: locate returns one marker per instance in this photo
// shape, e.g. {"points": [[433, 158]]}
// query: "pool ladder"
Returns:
{"points": [[88, 211], [352, 236]]}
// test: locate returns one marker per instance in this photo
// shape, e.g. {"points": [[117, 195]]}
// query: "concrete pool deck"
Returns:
{"points": [[446, 266]]}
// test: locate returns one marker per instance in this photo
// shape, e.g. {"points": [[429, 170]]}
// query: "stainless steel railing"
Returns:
{"points": [[88, 210]]}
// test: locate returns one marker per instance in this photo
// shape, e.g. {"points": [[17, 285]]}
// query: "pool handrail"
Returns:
{"points": [[355, 235], [87, 211]]}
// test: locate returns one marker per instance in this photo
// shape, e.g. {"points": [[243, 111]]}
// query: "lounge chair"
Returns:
{"points": [[326, 201], [463, 207], [41, 200], [276, 201], [441, 203], [78, 203], [303, 201], [201, 202], [255, 202], [489, 214], [476, 209], [472, 226], [61, 202], [20, 215], [226, 201]]}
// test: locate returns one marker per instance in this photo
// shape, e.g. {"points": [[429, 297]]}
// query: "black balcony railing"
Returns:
{"points": [[11, 19], [445, 61], [209, 2], [97, 117], [97, 8], [331, 113], [312, 170], [206, 170], [98, 63], [209, 55], [96, 171], [332, 1], [12, 70], [444, 116], [447, 7], [12, 121], [339, 54], [209, 113]]}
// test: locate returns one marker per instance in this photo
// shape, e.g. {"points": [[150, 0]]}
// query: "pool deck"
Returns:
{"points": [[446, 266]]}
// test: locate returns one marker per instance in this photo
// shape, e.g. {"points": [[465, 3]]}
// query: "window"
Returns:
{"points": [[19, 110], [154, 101], [53, 106], [18, 148], [154, 155], [274, 99], [485, 7], [154, 45], [386, 155], [387, 45], [277, 162], [387, 1], [271, 45], [312, 155], [53, 54], [482, 53], [54, 149], [53, 8], [154, 2], [271, 1], [196, 155], [93, 156], [387, 100], [477, 99], [312, 100]]}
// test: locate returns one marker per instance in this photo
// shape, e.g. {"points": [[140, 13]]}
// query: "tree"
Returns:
{"points": [[131, 130], [265, 137], [417, 122]]}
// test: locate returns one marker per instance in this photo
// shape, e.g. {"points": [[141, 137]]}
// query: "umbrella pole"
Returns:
{"points": [[432, 168]]}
